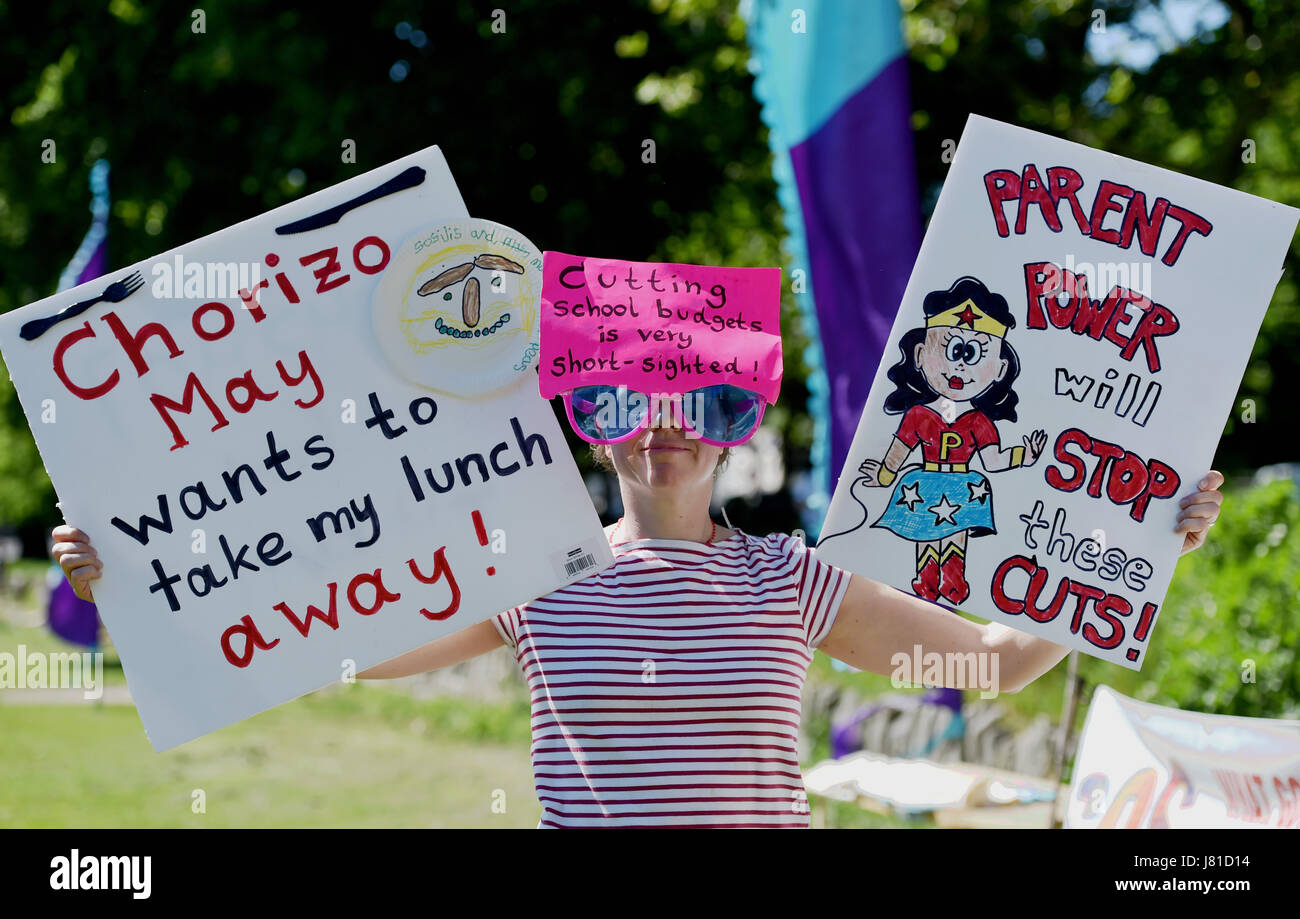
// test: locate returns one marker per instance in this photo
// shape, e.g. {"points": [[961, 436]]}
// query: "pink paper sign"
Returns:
{"points": [[658, 327]]}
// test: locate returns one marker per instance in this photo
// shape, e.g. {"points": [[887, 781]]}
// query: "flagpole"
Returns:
{"points": [[1066, 730]]}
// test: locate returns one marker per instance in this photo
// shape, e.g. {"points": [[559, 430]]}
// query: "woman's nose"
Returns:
{"points": [[664, 413]]}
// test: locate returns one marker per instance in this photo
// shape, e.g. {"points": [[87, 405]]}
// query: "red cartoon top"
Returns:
{"points": [[943, 442]]}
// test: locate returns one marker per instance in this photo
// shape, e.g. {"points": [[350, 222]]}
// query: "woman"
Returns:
{"points": [[666, 688]]}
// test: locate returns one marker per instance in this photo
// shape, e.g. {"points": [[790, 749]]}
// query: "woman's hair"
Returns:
{"points": [[999, 401], [598, 457]]}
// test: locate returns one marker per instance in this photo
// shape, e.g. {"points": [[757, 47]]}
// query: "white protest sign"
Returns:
{"points": [[1056, 381], [1143, 765], [305, 444]]}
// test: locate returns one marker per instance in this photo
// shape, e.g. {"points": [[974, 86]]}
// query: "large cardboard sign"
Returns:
{"points": [[1057, 378], [1148, 766], [305, 444]]}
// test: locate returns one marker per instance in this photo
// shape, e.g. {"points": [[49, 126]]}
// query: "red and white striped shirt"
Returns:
{"points": [[666, 688]]}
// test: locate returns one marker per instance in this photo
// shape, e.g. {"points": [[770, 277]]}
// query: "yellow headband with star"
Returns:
{"points": [[966, 315]]}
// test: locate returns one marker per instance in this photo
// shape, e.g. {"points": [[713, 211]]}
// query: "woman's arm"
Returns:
{"points": [[81, 565], [455, 648], [875, 622]]}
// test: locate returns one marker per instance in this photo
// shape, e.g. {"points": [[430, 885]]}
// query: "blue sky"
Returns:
{"points": [[1156, 29]]}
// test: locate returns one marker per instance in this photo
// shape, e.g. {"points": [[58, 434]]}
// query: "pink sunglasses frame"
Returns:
{"points": [[691, 434]]}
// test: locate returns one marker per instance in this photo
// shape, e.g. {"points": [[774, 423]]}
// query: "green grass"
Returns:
{"points": [[41, 639], [31, 568], [841, 815], [352, 756]]}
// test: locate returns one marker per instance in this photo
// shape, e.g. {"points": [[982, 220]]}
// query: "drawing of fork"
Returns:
{"points": [[114, 293]]}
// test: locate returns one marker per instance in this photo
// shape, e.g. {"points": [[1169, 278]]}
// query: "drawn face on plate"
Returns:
{"points": [[457, 311], [445, 283]]}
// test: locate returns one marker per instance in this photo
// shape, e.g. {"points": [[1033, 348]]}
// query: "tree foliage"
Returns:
{"points": [[1227, 639], [632, 133]]}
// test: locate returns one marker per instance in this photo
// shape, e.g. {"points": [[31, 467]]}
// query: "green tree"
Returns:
{"points": [[1227, 639], [631, 133]]}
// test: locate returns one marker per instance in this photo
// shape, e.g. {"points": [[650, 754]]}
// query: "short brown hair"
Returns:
{"points": [[602, 461]]}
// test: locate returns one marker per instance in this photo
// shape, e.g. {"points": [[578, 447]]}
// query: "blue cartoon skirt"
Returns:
{"points": [[929, 505]]}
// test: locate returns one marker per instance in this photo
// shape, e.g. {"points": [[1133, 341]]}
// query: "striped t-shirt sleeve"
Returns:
{"points": [[507, 626], [821, 590]]}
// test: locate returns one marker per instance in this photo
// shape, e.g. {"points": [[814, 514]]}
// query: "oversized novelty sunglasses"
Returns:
{"points": [[722, 415]]}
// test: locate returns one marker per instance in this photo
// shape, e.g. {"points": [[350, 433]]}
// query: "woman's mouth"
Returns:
{"points": [[956, 382]]}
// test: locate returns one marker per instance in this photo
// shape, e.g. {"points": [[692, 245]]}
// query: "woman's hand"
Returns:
{"points": [[78, 559], [1198, 512]]}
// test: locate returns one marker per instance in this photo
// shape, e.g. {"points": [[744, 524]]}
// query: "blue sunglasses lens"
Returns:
{"points": [[726, 413], [722, 412], [607, 412]]}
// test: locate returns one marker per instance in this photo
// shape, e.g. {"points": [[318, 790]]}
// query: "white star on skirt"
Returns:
{"points": [[944, 511], [911, 496]]}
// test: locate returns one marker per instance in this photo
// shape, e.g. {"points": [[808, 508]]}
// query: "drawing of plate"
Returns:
{"points": [[457, 309]]}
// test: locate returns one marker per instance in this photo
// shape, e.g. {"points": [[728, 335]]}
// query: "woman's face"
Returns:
{"points": [[663, 457], [959, 363]]}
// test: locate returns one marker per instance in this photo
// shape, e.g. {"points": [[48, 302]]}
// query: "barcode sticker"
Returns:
{"points": [[581, 563], [575, 562]]}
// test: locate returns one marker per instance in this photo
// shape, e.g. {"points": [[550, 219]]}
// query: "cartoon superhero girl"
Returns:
{"points": [[953, 382]]}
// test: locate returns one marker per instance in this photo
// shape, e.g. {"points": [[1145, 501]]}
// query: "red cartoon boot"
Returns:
{"points": [[926, 584], [954, 587]]}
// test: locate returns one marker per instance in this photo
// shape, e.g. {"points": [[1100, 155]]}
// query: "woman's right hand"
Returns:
{"points": [[78, 559], [870, 472]]}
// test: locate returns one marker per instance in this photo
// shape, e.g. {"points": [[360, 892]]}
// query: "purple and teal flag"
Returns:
{"points": [[91, 258], [831, 76]]}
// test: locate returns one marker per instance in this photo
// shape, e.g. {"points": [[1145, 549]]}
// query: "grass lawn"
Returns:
{"points": [[350, 756], [41, 639]]}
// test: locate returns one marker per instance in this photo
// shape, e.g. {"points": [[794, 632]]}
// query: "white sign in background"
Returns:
{"points": [[209, 614], [1148, 766], [1135, 395]]}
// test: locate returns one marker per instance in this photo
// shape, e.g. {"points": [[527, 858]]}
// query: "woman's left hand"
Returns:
{"points": [[1198, 512]]}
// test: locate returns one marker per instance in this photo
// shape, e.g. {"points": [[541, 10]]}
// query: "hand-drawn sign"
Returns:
{"points": [[1062, 365], [294, 476]]}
